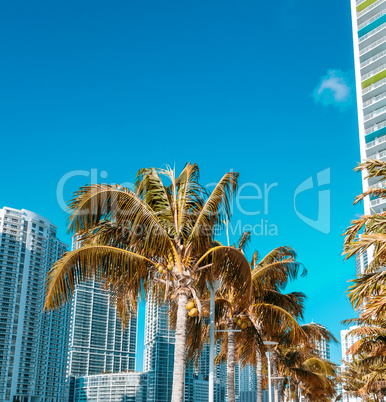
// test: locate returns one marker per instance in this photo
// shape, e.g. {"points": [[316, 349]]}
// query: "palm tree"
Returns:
{"points": [[369, 231], [369, 353], [267, 303], [309, 373], [270, 314], [230, 313], [157, 234], [360, 380], [371, 334]]}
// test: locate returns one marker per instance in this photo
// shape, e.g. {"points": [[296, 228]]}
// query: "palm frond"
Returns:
{"points": [[244, 240], [374, 168], [231, 267], [372, 192], [103, 263], [318, 332], [216, 209], [96, 203], [282, 322]]}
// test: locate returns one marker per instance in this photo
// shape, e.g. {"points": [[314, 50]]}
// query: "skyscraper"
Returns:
{"points": [[159, 361], [98, 344], [369, 36], [248, 383], [159, 352], [33, 344], [117, 387], [346, 342], [323, 349]]}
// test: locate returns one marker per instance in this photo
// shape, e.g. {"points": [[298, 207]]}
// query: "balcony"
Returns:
{"points": [[369, 8], [378, 155], [373, 62], [375, 86], [372, 46], [372, 19], [374, 100], [377, 141], [375, 202], [380, 184], [373, 33], [373, 72], [376, 127], [374, 114]]}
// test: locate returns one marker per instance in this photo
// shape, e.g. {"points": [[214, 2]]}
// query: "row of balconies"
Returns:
{"points": [[376, 112], [372, 33], [376, 127], [371, 19], [373, 59], [373, 72], [372, 46], [369, 8]]}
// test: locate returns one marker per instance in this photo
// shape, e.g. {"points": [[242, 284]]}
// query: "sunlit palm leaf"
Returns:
{"points": [[93, 262], [216, 209]]}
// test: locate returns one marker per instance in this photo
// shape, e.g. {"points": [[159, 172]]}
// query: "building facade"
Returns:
{"points": [[369, 37], [117, 387], [347, 341], [98, 344], [159, 361], [248, 379], [33, 343], [158, 358], [323, 349]]}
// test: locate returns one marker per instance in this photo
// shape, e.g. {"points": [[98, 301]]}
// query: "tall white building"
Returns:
{"points": [[98, 344], [369, 36], [33, 344], [346, 342], [323, 349], [118, 387]]}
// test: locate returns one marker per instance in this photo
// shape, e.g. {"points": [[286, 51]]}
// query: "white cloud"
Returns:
{"points": [[334, 89]]}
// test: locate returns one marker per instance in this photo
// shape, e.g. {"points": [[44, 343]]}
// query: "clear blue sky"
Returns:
{"points": [[116, 86]]}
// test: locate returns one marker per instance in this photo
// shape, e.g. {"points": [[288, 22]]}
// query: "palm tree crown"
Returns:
{"points": [[159, 234]]}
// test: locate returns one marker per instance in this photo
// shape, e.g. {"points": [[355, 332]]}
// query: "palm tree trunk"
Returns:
{"points": [[281, 393], [274, 375], [259, 375], [296, 393], [231, 365], [179, 350]]}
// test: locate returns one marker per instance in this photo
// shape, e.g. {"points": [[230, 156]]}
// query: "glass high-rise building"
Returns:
{"points": [[118, 387], [159, 361], [98, 344], [369, 36], [33, 343]]}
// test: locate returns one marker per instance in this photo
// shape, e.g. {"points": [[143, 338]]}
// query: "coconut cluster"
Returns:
{"points": [[242, 322], [191, 306], [161, 268]]}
